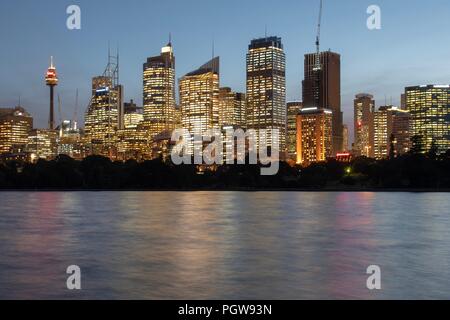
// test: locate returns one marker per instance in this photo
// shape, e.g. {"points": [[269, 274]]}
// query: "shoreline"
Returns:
{"points": [[248, 190]]}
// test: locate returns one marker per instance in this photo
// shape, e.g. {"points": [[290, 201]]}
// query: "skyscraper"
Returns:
{"points": [[132, 115], [381, 119], [345, 133], [429, 107], [42, 144], [266, 87], [102, 116], [15, 124], [314, 134], [364, 108], [322, 89], [159, 92], [391, 127], [232, 110], [199, 98], [400, 135], [293, 109]]}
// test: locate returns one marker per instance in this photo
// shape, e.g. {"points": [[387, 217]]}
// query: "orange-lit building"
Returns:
{"points": [[314, 135]]}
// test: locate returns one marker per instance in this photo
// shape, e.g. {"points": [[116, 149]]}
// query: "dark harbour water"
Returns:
{"points": [[224, 245]]}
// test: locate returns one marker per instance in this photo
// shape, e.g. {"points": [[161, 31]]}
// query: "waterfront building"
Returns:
{"points": [[322, 89], [364, 108], [42, 144], [104, 115], [15, 125], [199, 98], [133, 115], [232, 108], [314, 135], [293, 109], [429, 107], [159, 92], [266, 88]]}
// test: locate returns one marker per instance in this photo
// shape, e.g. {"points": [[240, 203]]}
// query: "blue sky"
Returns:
{"points": [[412, 47]]}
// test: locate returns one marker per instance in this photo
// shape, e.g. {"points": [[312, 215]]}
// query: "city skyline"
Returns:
{"points": [[362, 66]]}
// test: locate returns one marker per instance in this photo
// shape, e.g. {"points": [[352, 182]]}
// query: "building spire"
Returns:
{"points": [[51, 63]]}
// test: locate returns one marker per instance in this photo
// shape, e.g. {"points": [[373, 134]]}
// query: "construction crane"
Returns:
{"points": [[318, 65], [75, 113]]}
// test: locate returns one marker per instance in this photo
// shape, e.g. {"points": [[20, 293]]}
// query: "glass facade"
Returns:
{"points": [[231, 108], [266, 87], [293, 109], [102, 115], [15, 124], [314, 135], [159, 92], [364, 108], [429, 108], [199, 98]]}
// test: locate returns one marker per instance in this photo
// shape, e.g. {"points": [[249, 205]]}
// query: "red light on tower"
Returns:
{"points": [[51, 79]]}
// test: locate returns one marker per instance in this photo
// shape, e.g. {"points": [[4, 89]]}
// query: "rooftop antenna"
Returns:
{"points": [[170, 38], [213, 47], [265, 31]]}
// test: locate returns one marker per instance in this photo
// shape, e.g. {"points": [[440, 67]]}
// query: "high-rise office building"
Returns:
{"points": [[293, 109], [364, 108], [159, 92], [314, 134], [266, 88], [381, 133], [70, 140], [345, 134], [102, 115], [199, 98], [42, 144], [391, 128], [429, 108], [132, 115], [15, 124], [400, 135], [232, 110], [403, 101], [322, 89]]}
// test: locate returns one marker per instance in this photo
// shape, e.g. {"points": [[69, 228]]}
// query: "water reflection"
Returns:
{"points": [[224, 245]]}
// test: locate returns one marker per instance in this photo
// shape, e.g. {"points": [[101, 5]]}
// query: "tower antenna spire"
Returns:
{"points": [[213, 47]]}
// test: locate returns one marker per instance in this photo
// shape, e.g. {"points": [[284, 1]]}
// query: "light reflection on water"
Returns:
{"points": [[224, 245]]}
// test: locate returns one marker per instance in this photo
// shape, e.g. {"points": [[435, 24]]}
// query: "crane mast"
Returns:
{"points": [[318, 66]]}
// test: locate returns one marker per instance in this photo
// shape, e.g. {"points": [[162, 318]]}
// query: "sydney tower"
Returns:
{"points": [[51, 79]]}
